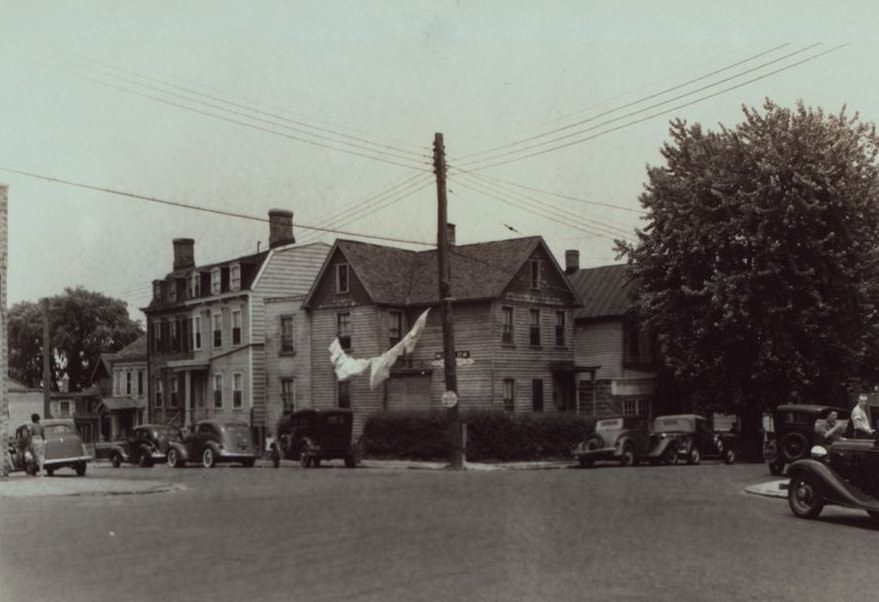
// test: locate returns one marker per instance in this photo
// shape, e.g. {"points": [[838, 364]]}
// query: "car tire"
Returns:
{"points": [[670, 455], [174, 459], [80, 469], [694, 456], [794, 446], [248, 463], [729, 456], [276, 457], [144, 460], [776, 468], [803, 496], [208, 460], [115, 460], [50, 471], [585, 462], [628, 457], [304, 458], [350, 462]]}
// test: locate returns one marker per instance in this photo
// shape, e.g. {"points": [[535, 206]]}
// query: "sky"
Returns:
{"points": [[550, 114]]}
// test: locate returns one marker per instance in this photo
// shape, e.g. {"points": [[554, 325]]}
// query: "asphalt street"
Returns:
{"points": [[607, 533]]}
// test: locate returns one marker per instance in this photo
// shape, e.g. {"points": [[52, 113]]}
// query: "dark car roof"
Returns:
{"points": [[54, 421], [809, 408]]}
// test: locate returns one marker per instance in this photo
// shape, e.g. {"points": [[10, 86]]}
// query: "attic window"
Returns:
{"points": [[194, 285], [342, 284], [157, 290], [215, 281], [172, 291], [235, 277], [535, 274]]}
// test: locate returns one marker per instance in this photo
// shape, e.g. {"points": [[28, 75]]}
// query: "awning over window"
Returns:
{"points": [[118, 404]]}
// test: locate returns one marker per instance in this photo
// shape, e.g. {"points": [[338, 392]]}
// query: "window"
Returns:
{"points": [[218, 391], [343, 329], [157, 290], [395, 327], [235, 277], [215, 281], [636, 407], [344, 394], [507, 325], [117, 383], [236, 326], [172, 398], [140, 383], [156, 332], [174, 339], [196, 332], [509, 399], [287, 345], [537, 395], [194, 285], [535, 273], [237, 385], [535, 327], [560, 328], [158, 392], [128, 382], [342, 284], [172, 291], [218, 330], [64, 409], [288, 393]]}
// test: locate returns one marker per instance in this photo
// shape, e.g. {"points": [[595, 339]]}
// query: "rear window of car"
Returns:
{"points": [[614, 423], [59, 429], [239, 429], [796, 418], [665, 425]]}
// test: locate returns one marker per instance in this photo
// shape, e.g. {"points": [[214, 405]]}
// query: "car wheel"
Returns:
{"points": [[794, 446], [248, 463], [803, 497], [776, 468], [585, 462], [695, 456], [304, 458], [350, 462], [315, 462], [115, 460], [50, 471], [670, 455], [207, 458], [174, 459], [80, 469], [144, 460], [276, 457], [628, 457], [729, 456]]}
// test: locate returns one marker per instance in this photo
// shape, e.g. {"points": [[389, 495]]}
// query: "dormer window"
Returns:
{"points": [[172, 291], [342, 284], [215, 281], [234, 277], [535, 274], [194, 285], [157, 290]]}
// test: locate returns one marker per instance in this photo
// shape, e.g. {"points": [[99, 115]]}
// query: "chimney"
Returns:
{"points": [[280, 228], [572, 261], [450, 234], [184, 253]]}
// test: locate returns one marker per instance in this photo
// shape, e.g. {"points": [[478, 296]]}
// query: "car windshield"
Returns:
{"points": [[667, 425], [606, 425], [58, 429]]}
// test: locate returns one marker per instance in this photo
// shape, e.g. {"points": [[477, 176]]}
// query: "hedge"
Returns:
{"points": [[491, 435]]}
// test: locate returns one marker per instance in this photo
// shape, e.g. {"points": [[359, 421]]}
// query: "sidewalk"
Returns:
{"points": [[20, 484]]}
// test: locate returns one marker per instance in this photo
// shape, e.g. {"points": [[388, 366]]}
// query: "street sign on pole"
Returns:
{"points": [[450, 399]]}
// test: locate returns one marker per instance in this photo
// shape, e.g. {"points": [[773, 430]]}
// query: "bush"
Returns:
{"points": [[491, 435]]}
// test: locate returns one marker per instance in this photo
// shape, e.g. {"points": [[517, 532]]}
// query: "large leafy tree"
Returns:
{"points": [[82, 325], [758, 268]]}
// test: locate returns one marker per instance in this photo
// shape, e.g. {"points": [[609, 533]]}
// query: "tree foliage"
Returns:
{"points": [[758, 269], [82, 326]]}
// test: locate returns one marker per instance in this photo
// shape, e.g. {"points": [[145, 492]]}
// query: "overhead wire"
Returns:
{"points": [[655, 115]]}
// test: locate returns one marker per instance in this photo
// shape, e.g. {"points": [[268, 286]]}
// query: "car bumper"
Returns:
{"points": [[597, 454], [55, 462]]}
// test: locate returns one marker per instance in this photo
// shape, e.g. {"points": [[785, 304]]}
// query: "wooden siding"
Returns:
{"points": [[554, 288], [257, 382], [600, 343], [291, 270], [296, 365], [326, 296]]}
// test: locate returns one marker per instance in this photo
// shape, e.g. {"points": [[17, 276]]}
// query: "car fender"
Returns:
{"points": [[833, 488], [661, 445], [180, 448]]}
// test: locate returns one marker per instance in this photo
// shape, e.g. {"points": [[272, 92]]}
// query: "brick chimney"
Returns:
{"points": [[572, 261], [450, 234], [184, 253], [280, 228]]}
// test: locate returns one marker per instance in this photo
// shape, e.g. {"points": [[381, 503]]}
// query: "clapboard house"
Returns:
{"points": [[513, 326]]}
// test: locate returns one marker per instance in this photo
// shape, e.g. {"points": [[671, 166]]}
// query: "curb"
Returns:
{"points": [[82, 487], [769, 489]]}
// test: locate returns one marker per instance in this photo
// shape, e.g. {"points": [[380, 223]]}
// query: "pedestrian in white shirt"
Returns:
{"points": [[861, 419]]}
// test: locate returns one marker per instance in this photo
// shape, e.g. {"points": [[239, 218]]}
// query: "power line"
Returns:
{"points": [[660, 113], [627, 105], [200, 208]]}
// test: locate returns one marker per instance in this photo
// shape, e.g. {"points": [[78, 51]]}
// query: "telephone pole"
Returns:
{"points": [[47, 362], [450, 397]]}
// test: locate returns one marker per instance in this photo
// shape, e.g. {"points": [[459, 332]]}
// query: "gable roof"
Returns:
{"points": [[604, 291], [396, 276]]}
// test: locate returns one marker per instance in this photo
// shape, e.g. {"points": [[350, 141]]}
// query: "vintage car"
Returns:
{"points": [[794, 433], [695, 438], [213, 441], [626, 439], [147, 444], [64, 448], [846, 473], [312, 435]]}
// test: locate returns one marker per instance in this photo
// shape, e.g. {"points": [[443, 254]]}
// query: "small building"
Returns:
{"points": [[121, 379]]}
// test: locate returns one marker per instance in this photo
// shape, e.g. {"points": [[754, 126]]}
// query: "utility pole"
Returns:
{"points": [[5, 460], [450, 397], [47, 366]]}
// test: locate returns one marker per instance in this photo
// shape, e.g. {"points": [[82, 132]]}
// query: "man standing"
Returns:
{"points": [[828, 430], [38, 442], [861, 419]]}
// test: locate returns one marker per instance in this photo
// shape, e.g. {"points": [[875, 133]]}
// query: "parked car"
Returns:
{"points": [[794, 433], [63, 449], [213, 441], [147, 444], [313, 435], [626, 439], [845, 474], [695, 438]]}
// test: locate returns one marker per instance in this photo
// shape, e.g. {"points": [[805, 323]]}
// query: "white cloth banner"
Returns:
{"points": [[346, 366]]}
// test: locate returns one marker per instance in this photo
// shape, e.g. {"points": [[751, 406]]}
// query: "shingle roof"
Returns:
{"points": [[604, 291], [399, 277], [137, 349]]}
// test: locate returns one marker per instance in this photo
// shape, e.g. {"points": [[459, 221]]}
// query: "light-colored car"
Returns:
{"points": [[64, 448]]}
